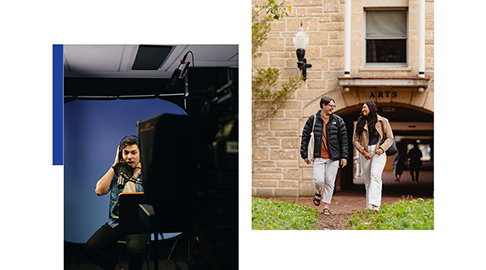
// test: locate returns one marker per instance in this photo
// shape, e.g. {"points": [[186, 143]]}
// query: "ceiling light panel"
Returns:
{"points": [[82, 58]]}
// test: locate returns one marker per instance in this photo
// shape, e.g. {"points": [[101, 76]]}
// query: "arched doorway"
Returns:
{"points": [[409, 123]]}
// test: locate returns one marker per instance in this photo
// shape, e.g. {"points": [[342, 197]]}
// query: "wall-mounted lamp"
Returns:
{"points": [[421, 89], [346, 89], [301, 40]]}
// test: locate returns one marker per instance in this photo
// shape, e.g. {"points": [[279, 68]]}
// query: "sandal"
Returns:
{"points": [[326, 211], [317, 199]]}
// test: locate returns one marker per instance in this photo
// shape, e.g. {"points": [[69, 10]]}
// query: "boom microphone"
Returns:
{"points": [[124, 172], [120, 182], [179, 72]]}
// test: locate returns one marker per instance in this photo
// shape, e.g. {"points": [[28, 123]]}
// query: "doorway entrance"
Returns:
{"points": [[410, 124]]}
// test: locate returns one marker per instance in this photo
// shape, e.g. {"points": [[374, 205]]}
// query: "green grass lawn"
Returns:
{"points": [[402, 215], [288, 215], [279, 215]]}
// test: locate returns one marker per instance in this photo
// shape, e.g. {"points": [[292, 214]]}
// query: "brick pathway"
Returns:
{"points": [[354, 199]]}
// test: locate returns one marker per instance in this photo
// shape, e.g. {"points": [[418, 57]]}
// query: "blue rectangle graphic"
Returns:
{"points": [[57, 104]]}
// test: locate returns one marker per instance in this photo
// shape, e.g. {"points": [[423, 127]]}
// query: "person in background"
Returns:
{"points": [[367, 138], [399, 160], [330, 150], [415, 161]]}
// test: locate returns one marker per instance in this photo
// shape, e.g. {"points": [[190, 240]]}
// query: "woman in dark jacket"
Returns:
{"points": [[330, 150]]}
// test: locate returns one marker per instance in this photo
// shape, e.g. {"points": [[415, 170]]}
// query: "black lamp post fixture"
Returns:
{"points": [[301, 40]]}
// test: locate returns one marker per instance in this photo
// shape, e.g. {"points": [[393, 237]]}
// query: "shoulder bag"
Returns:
{"points": [[310, 146], [393, 148]]}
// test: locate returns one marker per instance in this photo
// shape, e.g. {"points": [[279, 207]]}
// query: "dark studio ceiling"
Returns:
{"points": [[143, 71], [142, 61]]}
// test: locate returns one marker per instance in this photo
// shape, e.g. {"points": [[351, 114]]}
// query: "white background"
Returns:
{"points": [[32, 198]]}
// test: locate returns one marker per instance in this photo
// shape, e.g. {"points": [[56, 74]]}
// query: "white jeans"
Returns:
{"points": [[325, 171], [373, 169]]}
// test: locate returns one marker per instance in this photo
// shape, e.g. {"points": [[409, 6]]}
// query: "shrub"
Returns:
{"points": [[401, 215], [269, 92], [282, 215]]}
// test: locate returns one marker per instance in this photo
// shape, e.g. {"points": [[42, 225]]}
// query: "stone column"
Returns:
{"points": [[347, 38], [421, 38]]}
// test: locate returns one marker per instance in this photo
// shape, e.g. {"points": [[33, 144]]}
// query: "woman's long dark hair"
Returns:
{"points": [[372, 118]]}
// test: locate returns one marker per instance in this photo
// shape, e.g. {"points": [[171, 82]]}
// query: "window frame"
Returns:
{"points": [[406, 38]]}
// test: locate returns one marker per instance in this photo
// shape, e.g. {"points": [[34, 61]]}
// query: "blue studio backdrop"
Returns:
{"points": [[92, 132]]}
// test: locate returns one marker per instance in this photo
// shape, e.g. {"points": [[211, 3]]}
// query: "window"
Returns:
{"points": [[386, 37]]}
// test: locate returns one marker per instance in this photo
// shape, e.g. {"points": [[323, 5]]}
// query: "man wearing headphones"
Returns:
{"points": [[101, 241]]}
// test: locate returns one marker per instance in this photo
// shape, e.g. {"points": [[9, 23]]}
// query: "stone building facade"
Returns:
{"points": [[341, 68]]}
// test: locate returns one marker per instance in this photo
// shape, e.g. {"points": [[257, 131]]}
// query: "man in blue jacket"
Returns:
{"points": [[97, 247]]}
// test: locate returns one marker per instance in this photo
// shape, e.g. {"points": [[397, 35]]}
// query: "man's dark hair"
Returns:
{"points": [[325, 100], [129, 141]]}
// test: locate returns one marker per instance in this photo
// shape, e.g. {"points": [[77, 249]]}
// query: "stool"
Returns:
{"points": [[167, 236], [121, 249]]}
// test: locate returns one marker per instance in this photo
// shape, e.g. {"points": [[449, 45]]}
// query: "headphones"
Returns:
{"points": [[120, 152]]}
